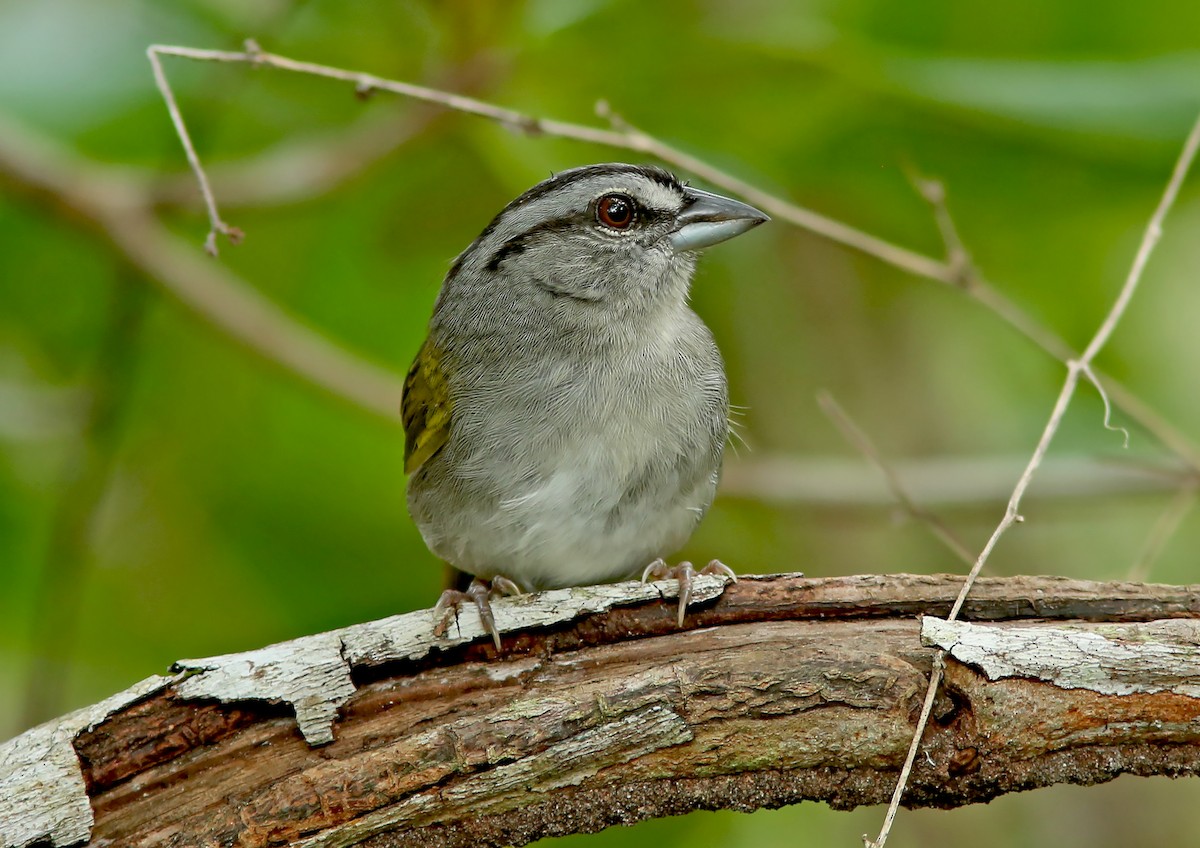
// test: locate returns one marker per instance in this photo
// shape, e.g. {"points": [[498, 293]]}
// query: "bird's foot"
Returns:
{"points": [[479, 593], [684, 573]]}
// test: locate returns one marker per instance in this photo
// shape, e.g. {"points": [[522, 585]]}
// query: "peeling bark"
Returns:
{"points": [[778, 690]]}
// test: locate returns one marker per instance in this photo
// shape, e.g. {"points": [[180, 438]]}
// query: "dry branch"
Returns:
{"points": [[781, 689], [954, 271]]}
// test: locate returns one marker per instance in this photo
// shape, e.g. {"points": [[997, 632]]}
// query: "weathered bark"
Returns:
{"points": [[781, 689]]}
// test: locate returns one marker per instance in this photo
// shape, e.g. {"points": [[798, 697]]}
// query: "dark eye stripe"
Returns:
{"points": [[517, 243], [566, 178]]}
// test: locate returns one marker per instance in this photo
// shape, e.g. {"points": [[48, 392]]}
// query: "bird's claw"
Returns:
{"points": [[479, 593], [685, 572]]}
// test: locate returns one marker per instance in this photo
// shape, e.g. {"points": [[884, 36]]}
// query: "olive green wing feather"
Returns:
{"points": [[426, 408]]}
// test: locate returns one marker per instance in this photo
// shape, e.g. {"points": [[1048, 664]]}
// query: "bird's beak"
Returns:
{"points": [[709, 219]]}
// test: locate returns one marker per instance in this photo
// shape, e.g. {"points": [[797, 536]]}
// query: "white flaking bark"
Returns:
{"points": [[1112, 659], [312, 673], [42, 793], [308, 673], [43, 798]]}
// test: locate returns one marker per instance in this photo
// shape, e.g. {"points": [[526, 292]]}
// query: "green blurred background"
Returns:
{"points": [[164, 493]]}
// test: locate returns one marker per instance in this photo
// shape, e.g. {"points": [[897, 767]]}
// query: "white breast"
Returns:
{"points": [[610, 467]]}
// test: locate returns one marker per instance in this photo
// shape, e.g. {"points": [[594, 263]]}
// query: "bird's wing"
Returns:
{"points": [[426, 409]]}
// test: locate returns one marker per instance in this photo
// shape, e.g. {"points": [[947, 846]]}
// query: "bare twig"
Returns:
{"points": [[625, 136], [957, 257], [215, 224], [1075, 369], [301, 168], [860, 440], [1166, 526], [935, 680], [1082, 366]]}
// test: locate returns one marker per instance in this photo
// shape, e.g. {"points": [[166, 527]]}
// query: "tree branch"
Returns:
{"points": [[600, 711]]}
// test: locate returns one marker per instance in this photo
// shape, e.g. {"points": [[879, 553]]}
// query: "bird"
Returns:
{"points": [[565, 417]]}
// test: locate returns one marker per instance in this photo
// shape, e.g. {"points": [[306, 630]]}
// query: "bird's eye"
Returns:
{"points": [[615, 211]]}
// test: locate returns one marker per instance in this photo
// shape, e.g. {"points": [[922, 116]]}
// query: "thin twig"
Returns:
{"points": [[215, 224], [957, 257], [1166, 527], [860, 440], [1075, 369], [625, 136], [1082, 366], [935, 680]]}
